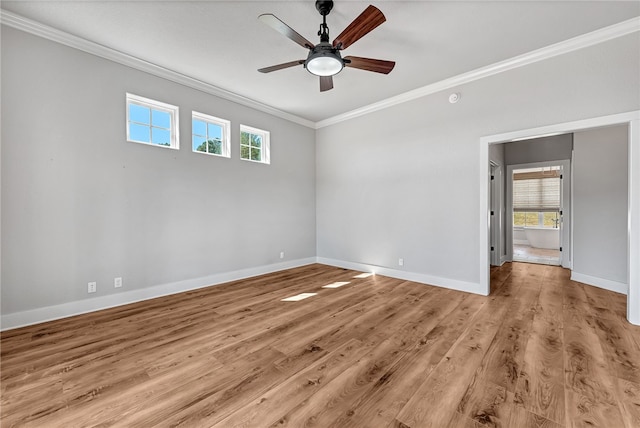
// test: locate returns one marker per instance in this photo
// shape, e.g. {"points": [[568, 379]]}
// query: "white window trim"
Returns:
{"points": [[266, 143], [174, 142], [226, 133]]}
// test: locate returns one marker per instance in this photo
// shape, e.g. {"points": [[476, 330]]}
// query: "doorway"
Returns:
{"points": [[545, 216], [632, 119], [537, 214]]}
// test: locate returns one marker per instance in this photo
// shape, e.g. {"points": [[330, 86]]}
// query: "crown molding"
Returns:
{"points": [[585, 40], [27, 25], [579, 42]]}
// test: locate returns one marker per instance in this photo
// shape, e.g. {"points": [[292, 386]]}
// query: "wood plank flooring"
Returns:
{"points": [[540, 351]]}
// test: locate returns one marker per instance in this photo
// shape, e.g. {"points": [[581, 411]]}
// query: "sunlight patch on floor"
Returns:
{"points": [[298, 297], [364, 275]]}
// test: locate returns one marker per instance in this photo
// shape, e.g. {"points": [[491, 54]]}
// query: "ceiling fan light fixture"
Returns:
{"points": [[324, 62]]}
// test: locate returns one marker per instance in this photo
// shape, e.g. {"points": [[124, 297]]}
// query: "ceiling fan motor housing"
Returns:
{"points": [[324, 6]]}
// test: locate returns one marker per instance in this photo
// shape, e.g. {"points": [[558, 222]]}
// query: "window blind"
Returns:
{"points": [[536, 194]]}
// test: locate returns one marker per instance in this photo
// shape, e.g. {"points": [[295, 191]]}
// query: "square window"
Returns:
{"points": [[152, 122], [254, 144], [210, 135]]}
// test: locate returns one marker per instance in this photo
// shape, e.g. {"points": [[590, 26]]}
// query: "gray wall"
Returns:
{"points": [[403, 182], [81, 204], [557, 147], [600, 189]]}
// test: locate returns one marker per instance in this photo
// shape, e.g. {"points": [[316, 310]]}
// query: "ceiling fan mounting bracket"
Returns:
{"points": [[324, 6]]}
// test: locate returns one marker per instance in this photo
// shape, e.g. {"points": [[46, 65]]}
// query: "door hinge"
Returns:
{"points": [[560, 212], [492, 249], [492, 177], [491, 212], [560, 248], [560, 176]]}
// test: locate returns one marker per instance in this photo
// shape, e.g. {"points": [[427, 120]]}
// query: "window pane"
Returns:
{"points": [[244, 138], [198, 144], [518, 219], [161, 119], [199, 128], [215, 146], [139, 133], [531, 219], [256, 140], [214, 131], [550, 219], [255, 154], [161, 137], [210, 146], [139, 114], [244, 152]]}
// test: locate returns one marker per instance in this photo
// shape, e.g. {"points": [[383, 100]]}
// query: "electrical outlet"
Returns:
{"points": [[92, 287], [282, 254], [400, 262], [117, 282]]}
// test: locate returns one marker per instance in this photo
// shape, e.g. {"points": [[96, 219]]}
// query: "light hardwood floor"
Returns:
{"points": [[540, 351]]}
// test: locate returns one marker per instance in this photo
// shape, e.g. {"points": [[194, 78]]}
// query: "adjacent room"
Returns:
{"points": [[320, 213]]}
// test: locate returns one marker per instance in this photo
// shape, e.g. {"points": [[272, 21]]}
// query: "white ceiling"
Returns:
{"points": [[222, 43]]}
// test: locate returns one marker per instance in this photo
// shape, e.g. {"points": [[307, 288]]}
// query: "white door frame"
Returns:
{"points": [[495, 202], [632, 119]]}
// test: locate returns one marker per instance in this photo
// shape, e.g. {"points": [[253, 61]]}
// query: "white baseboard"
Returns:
{"points": [[454, 284], [50, 313], [521, 241], [607, 284]]}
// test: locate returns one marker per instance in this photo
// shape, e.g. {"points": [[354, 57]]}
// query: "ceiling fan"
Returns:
{"points": [[324, 59]]}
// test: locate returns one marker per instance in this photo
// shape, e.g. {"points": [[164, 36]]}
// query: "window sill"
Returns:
{"points": [[153, 145]]}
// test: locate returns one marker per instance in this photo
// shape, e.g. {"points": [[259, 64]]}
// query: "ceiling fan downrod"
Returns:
{"points": [[324, 7]]}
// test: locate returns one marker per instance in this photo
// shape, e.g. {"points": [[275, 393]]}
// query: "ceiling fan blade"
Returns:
{"points": [[364, 23], [375, 65], [282, 28], [326, 83], [281, 66]]}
